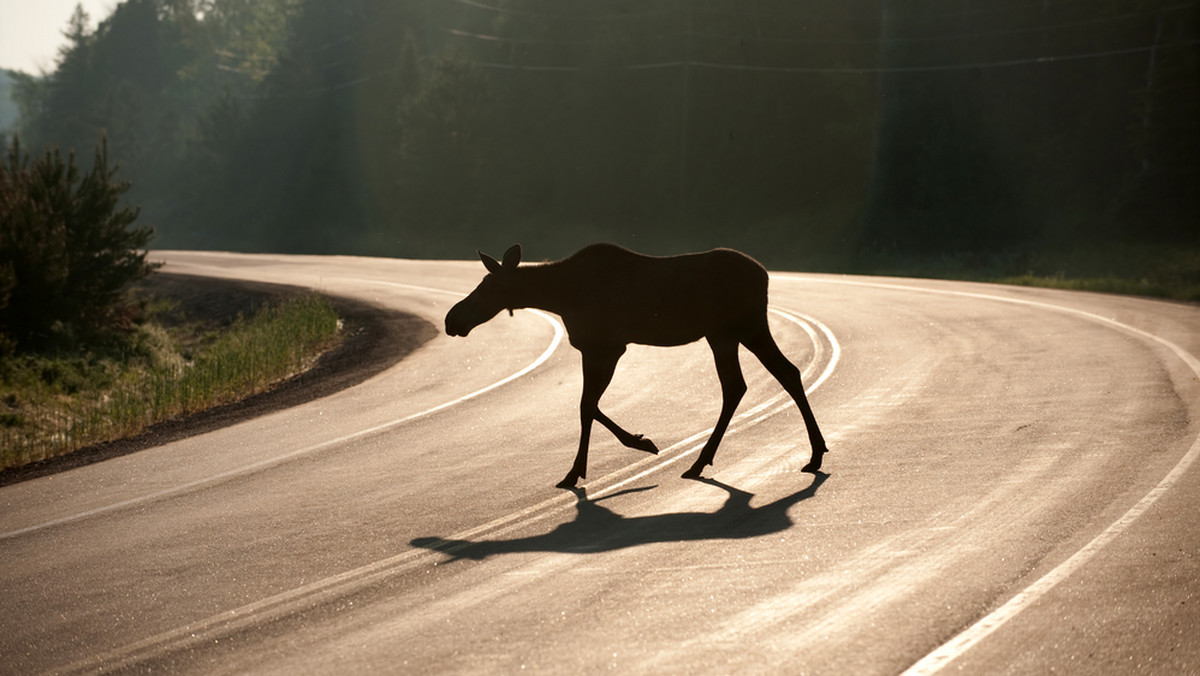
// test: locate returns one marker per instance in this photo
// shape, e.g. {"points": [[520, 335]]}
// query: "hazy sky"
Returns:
{"points": [[31, 30]]}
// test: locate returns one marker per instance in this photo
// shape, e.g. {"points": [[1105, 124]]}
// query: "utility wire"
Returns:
{"points": [[801, 70], [564, 15], [592, 41], [920, 69], [745, 39], [942, 38], [1044, 7], [713, 65], [873, 18]]}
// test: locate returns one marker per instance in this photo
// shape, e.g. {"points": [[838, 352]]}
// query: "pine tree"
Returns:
{"points": [[67, 248]]}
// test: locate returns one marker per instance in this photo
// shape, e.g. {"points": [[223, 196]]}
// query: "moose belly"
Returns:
{"points": [[670, 309], [660, 329]]}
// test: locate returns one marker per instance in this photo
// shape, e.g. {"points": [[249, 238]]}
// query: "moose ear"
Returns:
{"points": [[488, 262], [512, 257]]}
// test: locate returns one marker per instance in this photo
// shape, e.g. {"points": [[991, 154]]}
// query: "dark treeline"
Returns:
{"points": [[802, 132]]}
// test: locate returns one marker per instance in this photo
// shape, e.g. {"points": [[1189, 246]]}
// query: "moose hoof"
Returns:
{"points": [[641, 443], [568, 482], [693, 472], [814, 465]]}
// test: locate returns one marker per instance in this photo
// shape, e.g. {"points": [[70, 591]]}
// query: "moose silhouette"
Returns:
{"points": [[609, 297]]}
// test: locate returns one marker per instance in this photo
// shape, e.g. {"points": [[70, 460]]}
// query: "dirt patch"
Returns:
{"points": [[374, 339]]}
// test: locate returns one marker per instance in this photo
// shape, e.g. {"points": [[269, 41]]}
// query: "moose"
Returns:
{"points": [[609, 297]]}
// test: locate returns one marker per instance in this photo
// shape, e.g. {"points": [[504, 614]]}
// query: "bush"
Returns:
{"points": [[67, 251]]}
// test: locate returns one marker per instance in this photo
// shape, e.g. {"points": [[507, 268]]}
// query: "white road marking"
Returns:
{"points": [[774, 405], [310, 595], [955, 647], [279, 459]]}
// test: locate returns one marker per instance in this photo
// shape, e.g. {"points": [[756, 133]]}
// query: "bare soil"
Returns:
{"points": [[374, 339]]}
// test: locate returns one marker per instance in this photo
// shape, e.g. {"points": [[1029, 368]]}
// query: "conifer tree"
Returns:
{"points": [[68, 248]]}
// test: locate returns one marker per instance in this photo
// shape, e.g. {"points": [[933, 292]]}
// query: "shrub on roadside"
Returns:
{"points": [[67, 248]]}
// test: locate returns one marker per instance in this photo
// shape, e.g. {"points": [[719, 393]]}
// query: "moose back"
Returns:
{"points": [[609, 297]]}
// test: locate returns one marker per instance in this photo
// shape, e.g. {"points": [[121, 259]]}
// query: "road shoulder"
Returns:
{"points": [[375, 339]]}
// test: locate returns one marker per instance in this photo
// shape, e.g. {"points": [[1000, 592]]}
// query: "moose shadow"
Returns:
{"points": [[598, 529]]}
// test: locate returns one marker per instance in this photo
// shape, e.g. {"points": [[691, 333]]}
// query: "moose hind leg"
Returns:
{"points": [[763, 345], [635, 441], [733, 386], [598, 368]]}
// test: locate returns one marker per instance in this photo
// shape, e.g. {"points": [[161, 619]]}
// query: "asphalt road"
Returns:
{"points": [[1010, 489]]}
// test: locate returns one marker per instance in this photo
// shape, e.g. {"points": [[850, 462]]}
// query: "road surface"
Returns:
{"points": [[1010, 489]]}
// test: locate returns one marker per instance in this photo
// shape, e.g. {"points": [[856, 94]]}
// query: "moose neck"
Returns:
{"points": [[543, 286]]}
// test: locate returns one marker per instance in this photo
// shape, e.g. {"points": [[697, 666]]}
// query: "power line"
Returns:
{"points": [[1004, 63], [563, 15], [945, 38], [746, 39], [526, 41], [1042, 6], [921, 69], [515, 66], [847, 70], [874, 18], [690, 61]]}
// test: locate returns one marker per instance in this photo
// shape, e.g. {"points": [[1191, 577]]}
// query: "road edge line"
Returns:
{"points": [[958, 645]]}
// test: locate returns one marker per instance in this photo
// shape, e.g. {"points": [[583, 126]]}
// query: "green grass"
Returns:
{"points": [[1107, 284], [1153, 271], [57, 403], [1156, 271]]}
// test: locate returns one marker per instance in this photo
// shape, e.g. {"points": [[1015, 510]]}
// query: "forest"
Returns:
{"points": [[819, 135]]}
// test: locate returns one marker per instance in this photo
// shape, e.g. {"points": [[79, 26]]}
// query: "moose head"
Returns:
{"points": [[494, 293]]}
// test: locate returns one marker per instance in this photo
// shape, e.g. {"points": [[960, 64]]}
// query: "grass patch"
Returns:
{"points": [[1106, 284], [1157, 272], [55, 403], [1153, 271]]}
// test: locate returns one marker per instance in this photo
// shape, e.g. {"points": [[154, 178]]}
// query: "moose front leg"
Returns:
{"points": [[598, 367], [579, 469], [733, 387]]}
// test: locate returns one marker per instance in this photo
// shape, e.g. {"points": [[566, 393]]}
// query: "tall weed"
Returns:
{"points": [[49, 409]]}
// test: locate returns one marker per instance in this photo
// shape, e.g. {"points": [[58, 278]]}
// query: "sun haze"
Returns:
{"points": [[31, 31]]}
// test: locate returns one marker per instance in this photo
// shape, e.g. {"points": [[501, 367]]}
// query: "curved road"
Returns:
{"points": [[1011, 489]]}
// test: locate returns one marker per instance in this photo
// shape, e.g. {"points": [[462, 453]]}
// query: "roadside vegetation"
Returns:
{"points": [[1158, 284], [62, 399], [1171, 273], [83, 358]]}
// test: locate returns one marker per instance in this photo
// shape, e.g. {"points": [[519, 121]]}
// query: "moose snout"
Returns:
{"points": [[454, 328], [457, 324]]}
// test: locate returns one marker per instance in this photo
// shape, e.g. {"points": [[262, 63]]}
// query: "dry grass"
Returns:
{"points": [[55, 404]]}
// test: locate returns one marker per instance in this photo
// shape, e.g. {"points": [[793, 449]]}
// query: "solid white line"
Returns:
{"points": [[402, 285], [957, 646], [313, 593], [279, 459], [781, 402]]}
